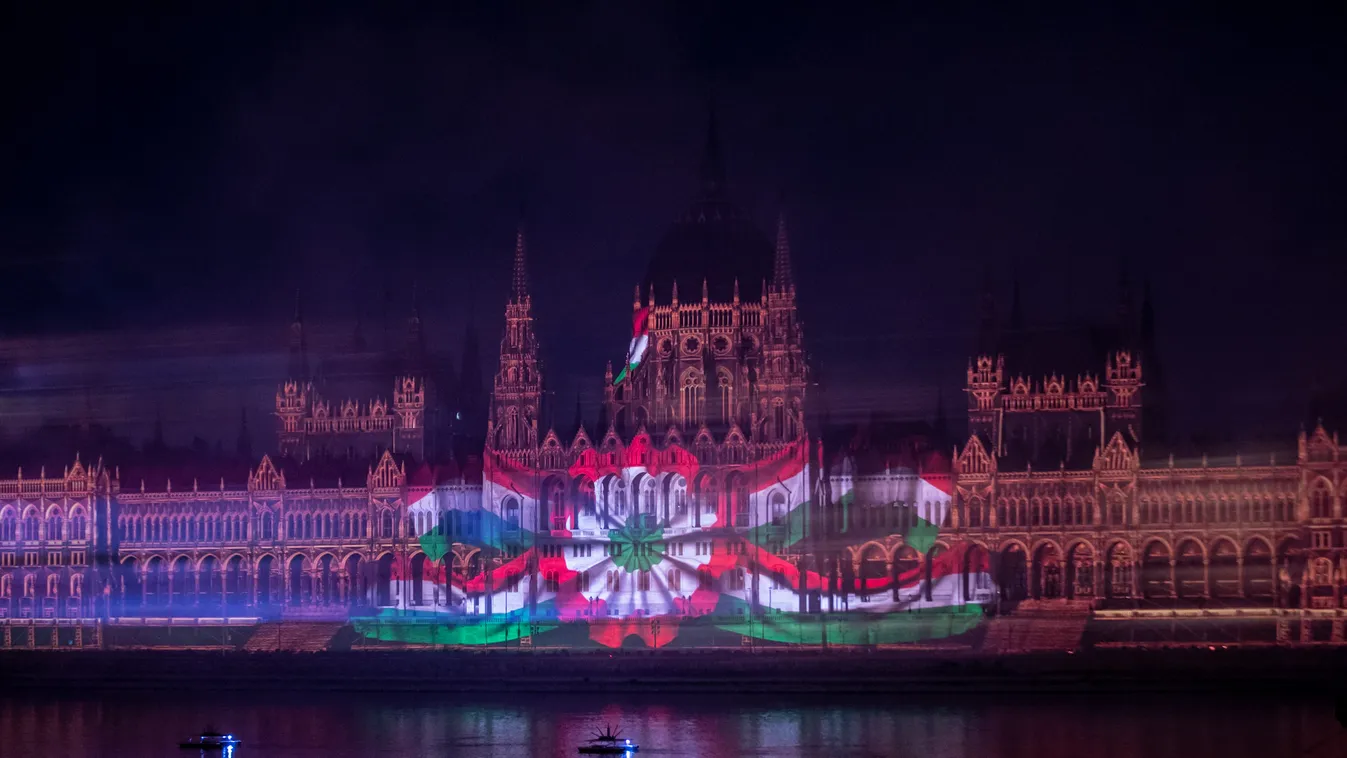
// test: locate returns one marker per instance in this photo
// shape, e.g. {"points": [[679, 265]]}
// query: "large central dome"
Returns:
{"points": [[713, 241]]}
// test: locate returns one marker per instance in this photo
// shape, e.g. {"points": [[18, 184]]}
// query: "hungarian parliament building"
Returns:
{"points": [[705, 491]]}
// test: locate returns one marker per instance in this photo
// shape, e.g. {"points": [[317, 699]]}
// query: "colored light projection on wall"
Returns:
{"points": [[638, 548], [640, 340]]}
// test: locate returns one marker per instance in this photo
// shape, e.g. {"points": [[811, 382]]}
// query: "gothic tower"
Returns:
{"points": [[723, 351], [299, 346], [782, 384], [517, 393]]}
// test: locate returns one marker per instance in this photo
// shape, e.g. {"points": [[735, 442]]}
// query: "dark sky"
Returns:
{"points": [[198, 168]]}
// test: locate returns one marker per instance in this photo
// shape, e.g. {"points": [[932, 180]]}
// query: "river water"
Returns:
{"points": [[333, 726]]}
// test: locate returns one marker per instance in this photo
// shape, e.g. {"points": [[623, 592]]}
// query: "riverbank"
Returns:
{"points": [[859, 672]]}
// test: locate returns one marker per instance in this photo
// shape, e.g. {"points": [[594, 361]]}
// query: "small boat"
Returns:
{"points": [[211, 740], [609, 742]]}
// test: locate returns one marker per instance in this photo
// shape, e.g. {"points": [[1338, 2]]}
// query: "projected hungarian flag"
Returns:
{"points": [[623, 547], [640, 340]]}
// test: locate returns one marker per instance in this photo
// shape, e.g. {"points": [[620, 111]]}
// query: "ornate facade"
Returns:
{"points": [[1049, 502], [52, 530], [309, 425]]}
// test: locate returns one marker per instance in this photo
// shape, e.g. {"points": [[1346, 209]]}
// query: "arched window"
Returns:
{"points": [[778, 506], [1116, 510], [511, 511], [9, 526], [708, 497], [510, 429], [268, 527], [974, 512], [779, 418], [1321, 501], [739, 502], [678, 494], [647, 499], [726, 383], [692, 391], [386, 524], [554, 506], [31, 526], [704, 579], [54, 524]]}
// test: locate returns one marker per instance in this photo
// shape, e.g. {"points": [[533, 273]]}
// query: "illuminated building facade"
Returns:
{"points": [[309, 425], [700, 510]]}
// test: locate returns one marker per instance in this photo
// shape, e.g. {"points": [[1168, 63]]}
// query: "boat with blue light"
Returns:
{"points": [[211, 740], [609, 742]]}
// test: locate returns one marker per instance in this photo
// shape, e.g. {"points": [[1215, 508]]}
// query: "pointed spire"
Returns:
{"points": [[782, 278], [520, 279], [1147, 312], [988, 327], [706, 292], [1126, 316], [713, 163], [736, 289], [636, 299], [299, 347], [675, 292]]}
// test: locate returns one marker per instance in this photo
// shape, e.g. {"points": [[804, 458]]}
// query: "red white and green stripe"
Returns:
{"points": [[640, 340]]}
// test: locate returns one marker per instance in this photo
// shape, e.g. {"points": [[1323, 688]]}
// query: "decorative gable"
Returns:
{"points": [[387, 474], [267, 477], [611, 442], [581, 442], [1116, 456], [1319, 447], [1053, 385], [973, 460]]}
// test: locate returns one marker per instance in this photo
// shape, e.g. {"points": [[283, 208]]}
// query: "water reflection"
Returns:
{"points": [[713, 727]]}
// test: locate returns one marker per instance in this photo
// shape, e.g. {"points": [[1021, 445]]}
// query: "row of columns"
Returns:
{"points": [[277, 584], [1097, 515]]}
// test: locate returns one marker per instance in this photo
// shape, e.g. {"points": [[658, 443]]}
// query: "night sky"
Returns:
{"points": [[197, 169]]}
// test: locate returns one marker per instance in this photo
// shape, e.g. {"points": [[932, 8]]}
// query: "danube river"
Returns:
{"points": [[331, 726]]}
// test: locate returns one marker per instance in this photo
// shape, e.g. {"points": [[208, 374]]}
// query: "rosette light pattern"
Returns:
{"points": [[637, 555]]}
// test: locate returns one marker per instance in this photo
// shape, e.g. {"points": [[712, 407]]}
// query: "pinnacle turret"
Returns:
{"points": [[519, 291], [299, 346], [781, 277]]}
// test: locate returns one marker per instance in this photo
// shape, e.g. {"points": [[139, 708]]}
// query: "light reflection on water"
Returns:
{"points": [[714, 727]]}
